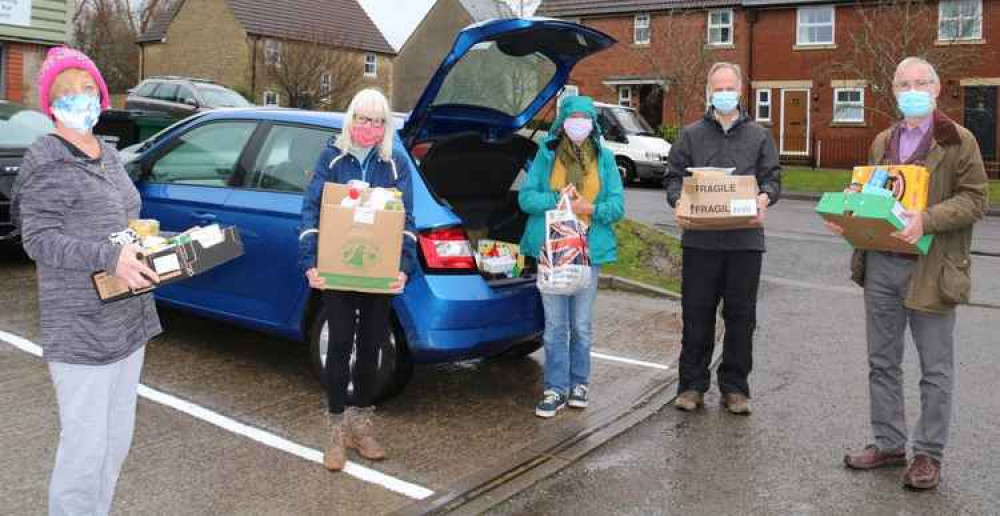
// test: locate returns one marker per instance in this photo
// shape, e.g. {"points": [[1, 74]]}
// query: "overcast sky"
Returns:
{"points": [[398, 18]]}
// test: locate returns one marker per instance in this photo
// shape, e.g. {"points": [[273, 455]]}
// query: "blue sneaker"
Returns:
{"points": [[551, 403], [578, 398]]}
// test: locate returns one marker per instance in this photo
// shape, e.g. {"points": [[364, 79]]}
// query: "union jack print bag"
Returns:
{"points": [[563, 263]]}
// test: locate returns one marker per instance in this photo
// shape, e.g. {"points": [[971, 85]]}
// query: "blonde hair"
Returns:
{"points": [[67, 79], [369, 100]]}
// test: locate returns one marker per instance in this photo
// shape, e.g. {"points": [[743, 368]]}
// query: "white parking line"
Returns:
{"points": [[266, 438], [630, 361]]}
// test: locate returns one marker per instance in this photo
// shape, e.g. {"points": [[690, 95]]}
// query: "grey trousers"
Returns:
{"points": [[96, 419], [886, 283]]}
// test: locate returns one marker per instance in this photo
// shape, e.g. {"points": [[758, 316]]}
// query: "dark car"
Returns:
{"points": [[181, 96], [19, 127]]}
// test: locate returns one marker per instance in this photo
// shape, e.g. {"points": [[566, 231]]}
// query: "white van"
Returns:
{"points": [[639, 152]]}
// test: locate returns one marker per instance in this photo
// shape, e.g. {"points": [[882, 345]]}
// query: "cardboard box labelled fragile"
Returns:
{"points": [[174, 264], [869, 221], [359, 248], [715, 201]]}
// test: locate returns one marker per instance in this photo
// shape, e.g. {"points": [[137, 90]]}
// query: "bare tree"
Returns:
{"points": [[314, 74], [106, 30], [683, 67], [889, 31]]}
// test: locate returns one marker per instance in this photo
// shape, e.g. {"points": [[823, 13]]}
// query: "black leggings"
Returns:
{"points": [[345, 310]]}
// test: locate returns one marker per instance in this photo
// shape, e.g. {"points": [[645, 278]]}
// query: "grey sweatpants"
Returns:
{"points": [[96, 419], [886, 283]]}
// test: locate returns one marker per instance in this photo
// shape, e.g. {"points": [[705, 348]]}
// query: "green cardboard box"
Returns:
{"points": [[869, 221]]}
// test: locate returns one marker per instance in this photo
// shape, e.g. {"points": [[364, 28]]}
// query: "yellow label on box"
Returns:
{"points": [[909, 184]]}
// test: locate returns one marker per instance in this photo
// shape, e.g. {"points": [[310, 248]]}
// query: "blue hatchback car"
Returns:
{"points": [[248, 168]]}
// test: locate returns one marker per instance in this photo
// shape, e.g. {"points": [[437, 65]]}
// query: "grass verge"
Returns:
{"points": [[646, 255], [834, 180]]}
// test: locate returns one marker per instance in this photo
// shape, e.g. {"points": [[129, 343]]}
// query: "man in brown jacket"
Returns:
{"points": [[921, 291]]}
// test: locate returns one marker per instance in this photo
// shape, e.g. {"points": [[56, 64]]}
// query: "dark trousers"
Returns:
{"points": [[707, 278], [367, 317]]}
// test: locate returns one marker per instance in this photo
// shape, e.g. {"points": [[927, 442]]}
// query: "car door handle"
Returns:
{"points": [[204, 218]]}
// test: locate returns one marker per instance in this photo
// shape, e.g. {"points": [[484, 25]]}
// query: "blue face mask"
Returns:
{"points": [[915, 104], [725, 101], [77, 112]]}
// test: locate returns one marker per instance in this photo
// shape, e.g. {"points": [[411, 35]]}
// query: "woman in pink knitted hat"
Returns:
{"points": [[71, 195]]}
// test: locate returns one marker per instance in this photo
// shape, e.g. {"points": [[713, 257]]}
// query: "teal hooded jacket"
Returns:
{"points": [[536, 195]]}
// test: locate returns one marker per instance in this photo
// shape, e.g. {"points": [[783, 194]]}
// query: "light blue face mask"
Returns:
{"points": [[77, 112], [915, 104], [725, 101]]}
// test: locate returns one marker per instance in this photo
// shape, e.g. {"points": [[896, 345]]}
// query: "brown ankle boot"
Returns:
{"points": [[361, 433], [336, 456]]}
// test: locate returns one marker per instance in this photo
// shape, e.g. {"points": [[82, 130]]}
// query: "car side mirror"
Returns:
{"points": [[135, 170], [191, 102]]}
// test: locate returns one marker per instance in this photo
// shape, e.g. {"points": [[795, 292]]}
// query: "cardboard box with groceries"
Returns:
{"points": [[712, 199], [173, 257], [360, 238], [869, 221]]}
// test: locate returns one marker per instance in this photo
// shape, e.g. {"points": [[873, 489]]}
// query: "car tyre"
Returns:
{"points": [[626, 170], [523, 349], [395, 367]]}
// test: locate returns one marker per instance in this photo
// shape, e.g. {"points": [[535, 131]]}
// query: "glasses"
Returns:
{"points": [[919, 84], [363, 120]]}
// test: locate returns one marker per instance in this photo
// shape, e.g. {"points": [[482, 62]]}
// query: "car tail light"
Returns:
{"points": [[447, 249]]}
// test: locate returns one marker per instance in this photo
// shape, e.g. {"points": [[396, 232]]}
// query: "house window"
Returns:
{"points": [[763, 105], [325, 82], [272, 52], [849, 105], [271, 98], [815, 25], [720, 27], [960, 20], [641, 29], [625, 96], [371, 65]]}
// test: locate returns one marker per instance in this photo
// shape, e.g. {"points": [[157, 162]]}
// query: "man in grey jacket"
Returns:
{"points": [[71, 194], [721, 265]]}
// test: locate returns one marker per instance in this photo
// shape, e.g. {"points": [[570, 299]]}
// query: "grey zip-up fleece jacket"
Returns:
{"points": [[748, 148], [66, 207]]}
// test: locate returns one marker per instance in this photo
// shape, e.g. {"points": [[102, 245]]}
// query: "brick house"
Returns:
{"points": [[232, 41], [785, 48], [27, 30], [425, 48]]}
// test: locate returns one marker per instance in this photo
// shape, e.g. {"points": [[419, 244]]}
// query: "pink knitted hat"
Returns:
{"points": [[62, 58]]}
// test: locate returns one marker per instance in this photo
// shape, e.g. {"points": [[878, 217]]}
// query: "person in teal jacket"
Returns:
{"points": [[572, 160]]}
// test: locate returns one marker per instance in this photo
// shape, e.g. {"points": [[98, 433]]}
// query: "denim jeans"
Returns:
{"points": [[567, 337]]}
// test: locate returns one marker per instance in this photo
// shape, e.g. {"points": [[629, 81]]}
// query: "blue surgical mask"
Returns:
{"points": [[915, 104], [77, 112], [725, 101]]}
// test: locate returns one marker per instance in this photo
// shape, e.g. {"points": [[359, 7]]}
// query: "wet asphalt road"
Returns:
{"points": [[810, 404], [451, 423]]}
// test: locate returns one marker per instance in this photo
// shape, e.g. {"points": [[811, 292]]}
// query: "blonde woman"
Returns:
{"points": [[365, 150]]}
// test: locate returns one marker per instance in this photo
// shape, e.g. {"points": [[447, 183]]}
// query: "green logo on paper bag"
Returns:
{"points": [[360, 254]]}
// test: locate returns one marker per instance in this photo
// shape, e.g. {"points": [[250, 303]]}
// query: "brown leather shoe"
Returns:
{"points": [[871, 457], [335, 456], [361, 433], [736, 403], [924, 473], [689, 401]]}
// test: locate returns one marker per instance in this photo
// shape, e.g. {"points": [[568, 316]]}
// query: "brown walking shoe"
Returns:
{"points": [[736, 403], [924, 473], [689, 401], [361, 433], [872, 457], [335, 456]]}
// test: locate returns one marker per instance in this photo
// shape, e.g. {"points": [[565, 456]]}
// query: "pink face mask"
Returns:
{"points": [[366, 135]]}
